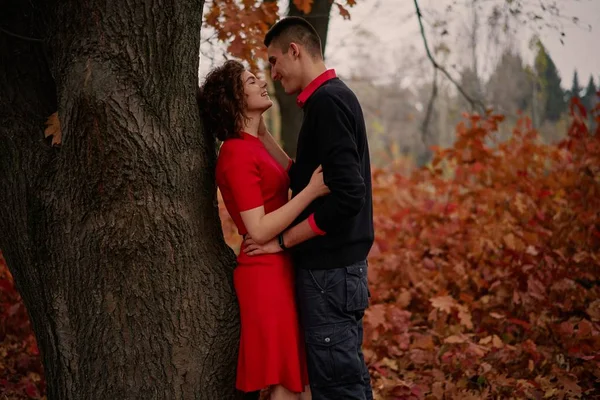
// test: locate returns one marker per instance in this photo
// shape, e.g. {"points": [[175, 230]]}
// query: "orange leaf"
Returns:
{"points": [[343, 12], [464, 316], [456, 339], [424, 342], [53, 129], [444, 303], [304, 5]]}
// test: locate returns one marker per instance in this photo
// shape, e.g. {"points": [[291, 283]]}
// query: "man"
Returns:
{"points": [[330, 241]]}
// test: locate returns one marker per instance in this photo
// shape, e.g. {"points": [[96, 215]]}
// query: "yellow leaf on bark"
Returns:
{"points": [[53, 129]]}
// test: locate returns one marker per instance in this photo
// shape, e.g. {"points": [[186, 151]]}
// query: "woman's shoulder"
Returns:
{"points": [[231, 146], [235, 149]]}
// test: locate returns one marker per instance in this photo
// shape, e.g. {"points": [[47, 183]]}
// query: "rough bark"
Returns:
{"points": [[291, 115], [113, 238]]}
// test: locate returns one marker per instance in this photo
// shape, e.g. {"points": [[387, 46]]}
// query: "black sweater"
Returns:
{"points": [[333, 134]]}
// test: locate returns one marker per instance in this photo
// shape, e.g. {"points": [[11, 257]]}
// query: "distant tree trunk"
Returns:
{"points": [[113, 238], [291, 115]]}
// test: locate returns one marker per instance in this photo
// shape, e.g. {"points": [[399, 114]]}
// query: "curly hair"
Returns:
{"points": [[222, 101]]}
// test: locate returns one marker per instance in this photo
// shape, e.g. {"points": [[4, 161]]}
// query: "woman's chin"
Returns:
{"points": [[268, 105]]}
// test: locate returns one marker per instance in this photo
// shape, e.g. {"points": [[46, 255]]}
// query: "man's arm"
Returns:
{"points": [[292, 237], [273, 147], [338, 154]]}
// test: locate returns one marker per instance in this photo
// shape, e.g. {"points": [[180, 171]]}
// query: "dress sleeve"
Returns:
{"points": [[242, 175]]}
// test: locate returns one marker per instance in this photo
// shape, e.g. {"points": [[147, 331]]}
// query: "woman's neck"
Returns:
{"points": [[251, 126]]}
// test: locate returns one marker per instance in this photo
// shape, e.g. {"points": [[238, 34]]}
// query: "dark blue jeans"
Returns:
{"points": [[332, 304]]}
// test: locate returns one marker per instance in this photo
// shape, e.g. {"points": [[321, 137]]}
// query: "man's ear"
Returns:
{"points": [[295, 50]]}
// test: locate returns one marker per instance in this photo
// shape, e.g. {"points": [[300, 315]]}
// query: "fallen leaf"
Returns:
{"points": [[497, 342], [464, 316], [593, 310], [455, 339], [424, 342], [443, 303]]}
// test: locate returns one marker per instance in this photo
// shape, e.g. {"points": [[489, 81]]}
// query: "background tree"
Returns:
{"points": [[575, 86], [548, 79], [470, 82], [590, 93], [509, 86], [110, 227], [291, 114], [590, 99]]}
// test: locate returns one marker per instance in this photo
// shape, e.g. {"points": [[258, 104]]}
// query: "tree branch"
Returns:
{"points": [[29, 39], [474, 102], [434, 91]]}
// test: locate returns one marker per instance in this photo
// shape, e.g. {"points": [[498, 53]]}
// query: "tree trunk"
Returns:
{"points": [[113, 238], [291, 115]]}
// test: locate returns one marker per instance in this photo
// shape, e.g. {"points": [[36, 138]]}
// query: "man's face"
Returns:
{"points": [[285, 68]]}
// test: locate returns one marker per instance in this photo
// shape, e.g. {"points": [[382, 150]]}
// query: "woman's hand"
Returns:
{"points": [[316, 185], [253, 249]]}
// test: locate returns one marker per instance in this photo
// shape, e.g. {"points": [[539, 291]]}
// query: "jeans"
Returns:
{"points": [[331, 304]]}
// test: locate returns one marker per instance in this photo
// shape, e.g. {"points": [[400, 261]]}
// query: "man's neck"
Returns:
{"points": [[313, 70]]}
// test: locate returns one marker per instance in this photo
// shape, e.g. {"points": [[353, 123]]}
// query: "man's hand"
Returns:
{"points": [[253, 249], [262, 127]]}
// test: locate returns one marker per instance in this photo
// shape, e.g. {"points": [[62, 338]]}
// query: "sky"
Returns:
{"points": [[396, 37], [382, 40]]}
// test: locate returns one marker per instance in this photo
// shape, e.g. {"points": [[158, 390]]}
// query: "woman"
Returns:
{"points": [[254, 187]]}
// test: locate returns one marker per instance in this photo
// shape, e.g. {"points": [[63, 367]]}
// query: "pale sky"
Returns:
{"points": [[396, 46], [396, 29]]}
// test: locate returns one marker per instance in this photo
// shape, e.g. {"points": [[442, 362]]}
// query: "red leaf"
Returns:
{"points": [[343, 12], [520, 322], [32, 391]]}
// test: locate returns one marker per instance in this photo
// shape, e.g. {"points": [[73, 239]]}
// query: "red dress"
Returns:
{"points": [[271, 348]]}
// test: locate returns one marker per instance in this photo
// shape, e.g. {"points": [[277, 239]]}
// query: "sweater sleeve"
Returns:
{"points": [[338, 154]]}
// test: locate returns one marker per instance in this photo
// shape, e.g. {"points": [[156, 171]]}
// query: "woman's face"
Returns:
{"points": [[257, 97]]}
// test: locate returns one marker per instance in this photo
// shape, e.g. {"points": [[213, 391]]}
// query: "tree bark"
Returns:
{"points": [[113, 238], [291, 115]]}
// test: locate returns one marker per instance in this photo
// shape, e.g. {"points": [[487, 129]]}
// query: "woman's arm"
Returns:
{"points": [[264, 227]]}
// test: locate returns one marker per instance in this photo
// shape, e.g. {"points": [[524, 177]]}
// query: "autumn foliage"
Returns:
{"points": [[484, 275], [242, 25], [21, 372]]}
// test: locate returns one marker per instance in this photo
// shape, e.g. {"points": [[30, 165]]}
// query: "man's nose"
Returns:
{"points": [[274, 74]]}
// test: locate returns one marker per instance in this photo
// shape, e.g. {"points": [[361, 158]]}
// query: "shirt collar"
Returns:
{"points": [[314, 85]]}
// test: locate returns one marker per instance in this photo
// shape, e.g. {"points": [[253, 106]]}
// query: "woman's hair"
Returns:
{"points": [[222, 101]]}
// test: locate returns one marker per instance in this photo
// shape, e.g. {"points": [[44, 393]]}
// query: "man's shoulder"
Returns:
{"points": [[334, 91]]}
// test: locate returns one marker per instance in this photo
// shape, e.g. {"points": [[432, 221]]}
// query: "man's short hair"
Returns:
{"points": [[295, 30]]}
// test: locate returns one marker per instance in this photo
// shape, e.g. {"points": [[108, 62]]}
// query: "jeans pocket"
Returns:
{"points": [[357, 290], [332, 355]]}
